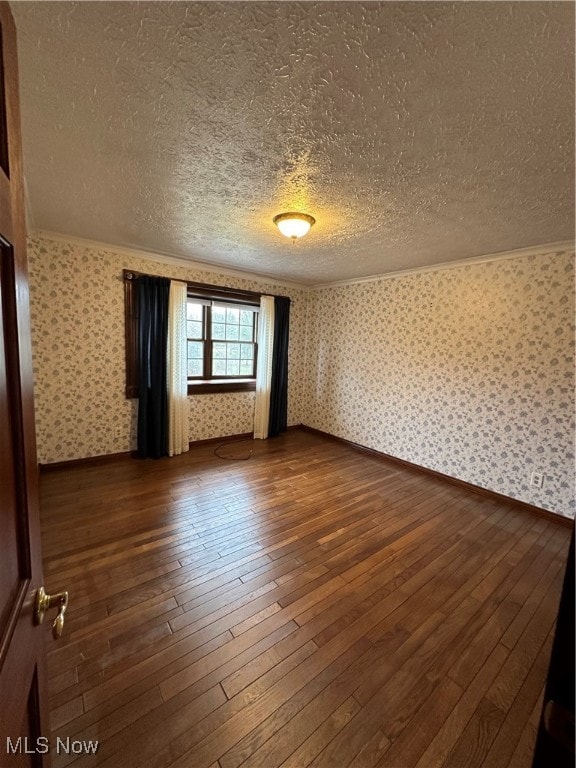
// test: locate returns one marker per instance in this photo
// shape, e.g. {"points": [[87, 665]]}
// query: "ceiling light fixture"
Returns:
{"points": [[294, 225]]}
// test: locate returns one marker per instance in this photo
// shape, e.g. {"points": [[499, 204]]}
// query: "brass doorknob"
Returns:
{"points": [[44, 602]]}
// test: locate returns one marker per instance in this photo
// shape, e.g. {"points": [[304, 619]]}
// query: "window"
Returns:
{"points": [[222, 333], [221, 345]]}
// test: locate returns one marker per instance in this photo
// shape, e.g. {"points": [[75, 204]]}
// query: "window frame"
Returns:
{"points": [[209, 382], [202, 291]]}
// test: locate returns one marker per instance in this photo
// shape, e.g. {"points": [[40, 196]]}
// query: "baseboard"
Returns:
{"points": [[500, 497], [111, 457], [566, 522], [89, 461], [225, 439]]}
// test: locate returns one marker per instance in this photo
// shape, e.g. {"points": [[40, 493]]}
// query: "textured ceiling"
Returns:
{"points": [[415, 132]]}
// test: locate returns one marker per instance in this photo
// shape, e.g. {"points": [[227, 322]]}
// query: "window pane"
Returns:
{"points": [[195, 349], [218, 351], [232, 367], [193, 311], [219, 368], [218, 331], [194, 329], [245, 333], [233, 350], [232, 332], [194, 367]]}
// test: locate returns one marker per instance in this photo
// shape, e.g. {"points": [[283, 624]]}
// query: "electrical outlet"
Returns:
{"points": [[537, 479]]}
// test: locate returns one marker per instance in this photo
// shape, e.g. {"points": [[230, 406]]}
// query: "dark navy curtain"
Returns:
{"points": [[153, 293], [279, 384]]}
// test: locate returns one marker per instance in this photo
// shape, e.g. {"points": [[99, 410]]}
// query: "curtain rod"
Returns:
{"points": [[130, 275]]}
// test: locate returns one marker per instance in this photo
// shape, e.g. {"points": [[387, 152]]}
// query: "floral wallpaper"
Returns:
{"points": [[77, 308], [468, 371]]}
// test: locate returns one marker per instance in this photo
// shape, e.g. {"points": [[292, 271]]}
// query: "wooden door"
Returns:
{"points": [[23, 708], [555, 742]]}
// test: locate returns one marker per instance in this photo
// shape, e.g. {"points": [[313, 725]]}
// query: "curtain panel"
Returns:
{"points": [[279, 382], [177, 363], [264, 367], [153, 293], [156, 309]]}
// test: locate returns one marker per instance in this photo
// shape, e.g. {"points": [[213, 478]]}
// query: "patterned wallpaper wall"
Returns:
{"points": [[468, 371], [77, 307]]}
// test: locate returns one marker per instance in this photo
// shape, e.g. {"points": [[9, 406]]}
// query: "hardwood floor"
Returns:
{"points": [[310, 606]]}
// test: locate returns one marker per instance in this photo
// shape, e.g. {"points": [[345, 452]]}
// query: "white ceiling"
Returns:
{"points": [[415, 132]]}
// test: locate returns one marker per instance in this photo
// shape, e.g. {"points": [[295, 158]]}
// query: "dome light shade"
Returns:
{"points": [[293, 225]]}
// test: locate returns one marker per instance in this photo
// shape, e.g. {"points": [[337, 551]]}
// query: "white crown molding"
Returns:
{"points": [[563, 245], [166, 258]]}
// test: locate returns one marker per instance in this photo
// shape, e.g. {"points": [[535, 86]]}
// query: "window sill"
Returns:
{"points": [[221, 385]]}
